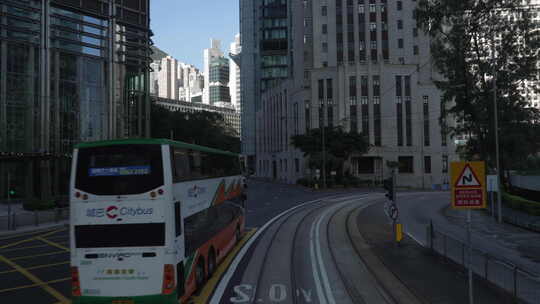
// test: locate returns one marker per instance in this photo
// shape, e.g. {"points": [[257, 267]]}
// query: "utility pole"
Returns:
{"points": [[496, 122], [323, 148], [9, 199]]}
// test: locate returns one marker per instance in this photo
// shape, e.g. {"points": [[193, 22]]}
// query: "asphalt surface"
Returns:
{"points": [[305, 256], [517, 245]]}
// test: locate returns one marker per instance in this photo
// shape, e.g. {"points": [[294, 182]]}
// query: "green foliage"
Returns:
{"points": [[462, 46], [338, 143], [520, 203], [202, 128], [37, 205]]}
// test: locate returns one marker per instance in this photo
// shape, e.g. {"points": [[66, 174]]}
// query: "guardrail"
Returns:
{"points": [[33, 218], [521, 284]]}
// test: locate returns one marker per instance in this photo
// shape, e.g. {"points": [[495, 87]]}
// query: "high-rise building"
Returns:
{"points": [[70, 71], [213, 56], [234, 81], [362, 65], [173, 79], [218, 85], [264, 60]]}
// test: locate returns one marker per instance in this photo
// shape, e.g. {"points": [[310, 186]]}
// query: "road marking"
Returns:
{"points": [[34, 285], [54, 244], [216, 298], [36, 280], [38, 255], [211, 284], [37, 267], [22, 248], [31, 238], [314, 268]]}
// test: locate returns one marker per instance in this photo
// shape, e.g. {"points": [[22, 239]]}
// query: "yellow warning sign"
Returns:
{"points": [[468, 182]]}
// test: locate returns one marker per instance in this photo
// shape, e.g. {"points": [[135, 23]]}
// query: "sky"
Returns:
{"points": [[183, 28]]}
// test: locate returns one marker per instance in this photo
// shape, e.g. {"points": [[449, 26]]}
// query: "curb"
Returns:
{"points": [[399, 292], [33, 229]]}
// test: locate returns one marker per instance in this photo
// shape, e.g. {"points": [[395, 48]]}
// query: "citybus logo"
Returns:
{"points": [[111, 212], [196, 191], [114, 212]]}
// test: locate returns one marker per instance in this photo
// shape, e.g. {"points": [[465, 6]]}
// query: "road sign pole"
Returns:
{"points": [[469, 243]]}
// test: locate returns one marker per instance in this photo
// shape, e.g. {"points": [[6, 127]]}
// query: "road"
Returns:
{"points": [[514, 244], [34, 267]]}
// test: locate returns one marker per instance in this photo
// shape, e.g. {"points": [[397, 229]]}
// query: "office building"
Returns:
{"points": [[362, 65], [234, 79], [70, 71]]}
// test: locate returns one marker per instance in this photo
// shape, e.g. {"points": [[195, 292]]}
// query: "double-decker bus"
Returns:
{"points": [[150, 219]]}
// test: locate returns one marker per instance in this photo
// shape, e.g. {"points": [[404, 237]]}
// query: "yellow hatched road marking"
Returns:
{"points": [[54, 244], [216, 277], [53, 292], [31, 238], [34, 285], [22, 248], [37, 267], [38, 255]]}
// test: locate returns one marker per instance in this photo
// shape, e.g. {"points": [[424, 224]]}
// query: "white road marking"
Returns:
{"points": [[314, 268], [218, 293], [316, 255]]}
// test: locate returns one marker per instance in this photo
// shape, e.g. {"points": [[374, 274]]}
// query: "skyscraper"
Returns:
{"points": [[69, 76], [234, 81]]}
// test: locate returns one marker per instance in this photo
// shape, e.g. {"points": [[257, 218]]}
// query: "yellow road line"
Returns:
{"points": [[37, 267], [34, 285], [31, 238], [54, 244], [53, 292], [22, 248], [37, 255], [209, 287]]}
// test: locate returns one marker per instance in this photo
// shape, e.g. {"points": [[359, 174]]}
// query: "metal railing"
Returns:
{"points": [[33, 218], [521, 284]]}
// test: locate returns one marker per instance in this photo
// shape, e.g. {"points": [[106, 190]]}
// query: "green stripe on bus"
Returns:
{"points": [[151, 141], [150, 299]]}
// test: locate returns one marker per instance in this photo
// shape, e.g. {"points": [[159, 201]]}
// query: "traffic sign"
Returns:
{"points": [[468, 185]]}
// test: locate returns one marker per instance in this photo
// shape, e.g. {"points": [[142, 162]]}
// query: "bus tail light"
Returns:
{"points": [[152, 194], [77, 194], [160, 191], [168, 279], [85, 196], [75, 283]]}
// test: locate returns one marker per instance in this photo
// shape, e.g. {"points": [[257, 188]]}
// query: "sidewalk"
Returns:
{"points": [[426, 275]]}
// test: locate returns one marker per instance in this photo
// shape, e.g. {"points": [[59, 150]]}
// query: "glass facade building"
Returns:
{"points": [[70, 71]]}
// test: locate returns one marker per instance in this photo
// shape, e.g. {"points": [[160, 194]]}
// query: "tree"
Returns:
{"points": [[470, 40], [202, 128], [339, 145]]}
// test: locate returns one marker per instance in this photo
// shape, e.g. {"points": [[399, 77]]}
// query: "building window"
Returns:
{"points": [[372, 8], [399, 5], [415, 50], [400, 43], [406, 164], [325, 47], [296, 165], [415, 32], [325, 29], [324, 10], [401, 60], [427, 164], [307, 117], [373, 26], [321, 89], [361, 9], [400, 24], [426, 121], [445, 164]]}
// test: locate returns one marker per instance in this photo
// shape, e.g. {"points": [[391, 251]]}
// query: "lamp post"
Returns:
{"points": [[323, 146]]}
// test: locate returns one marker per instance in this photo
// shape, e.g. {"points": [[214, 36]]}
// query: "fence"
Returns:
{"points": [[33, 218], [522, 285]]}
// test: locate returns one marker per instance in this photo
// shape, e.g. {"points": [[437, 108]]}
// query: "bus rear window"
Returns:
{"points": [[120, 235], [119, 170]]}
